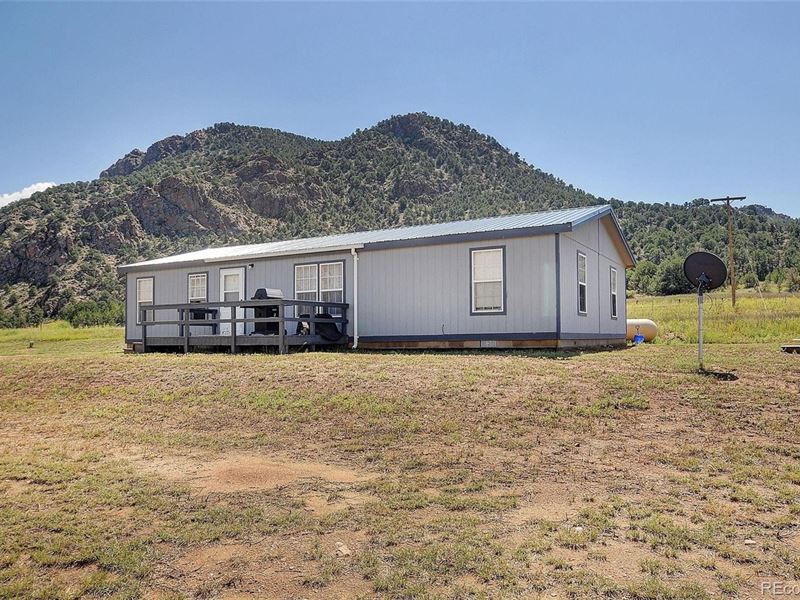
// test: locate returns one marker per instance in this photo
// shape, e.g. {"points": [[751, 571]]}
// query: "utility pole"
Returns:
{"points": [[731, 265]]}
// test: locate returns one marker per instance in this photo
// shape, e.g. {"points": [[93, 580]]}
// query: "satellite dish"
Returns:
{"points": [[705, 271]]}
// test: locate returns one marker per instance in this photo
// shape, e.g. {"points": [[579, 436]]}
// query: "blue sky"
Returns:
{"points": [[652, 102]]}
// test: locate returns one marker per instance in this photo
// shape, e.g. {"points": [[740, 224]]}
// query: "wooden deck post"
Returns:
{"points": [[233, 330], [142, 319], [281, 329], [185, 318], [312, 327]]}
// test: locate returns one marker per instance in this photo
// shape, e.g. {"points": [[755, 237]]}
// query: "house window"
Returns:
{"points": [[306, 286], [582, 285], [613, 288], [144, 296], [198, 287], [487, 281], [331, 285], [323, 282]]}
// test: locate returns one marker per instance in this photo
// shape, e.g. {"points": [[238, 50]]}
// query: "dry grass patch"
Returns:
{"points": [[444, 475]]}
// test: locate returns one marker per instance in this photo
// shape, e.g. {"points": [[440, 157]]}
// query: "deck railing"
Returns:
{"points": [[282, 339]]}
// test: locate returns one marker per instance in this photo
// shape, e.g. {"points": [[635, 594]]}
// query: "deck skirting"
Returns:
{"points": [[223, 342]]}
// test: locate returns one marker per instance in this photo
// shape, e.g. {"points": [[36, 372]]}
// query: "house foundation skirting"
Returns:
{"points": [[489, 341]]}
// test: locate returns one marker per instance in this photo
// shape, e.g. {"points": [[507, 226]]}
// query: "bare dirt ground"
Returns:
{"points": [[364, 475]]}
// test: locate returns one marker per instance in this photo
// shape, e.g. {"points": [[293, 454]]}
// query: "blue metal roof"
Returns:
{"points": [[533, 223]]}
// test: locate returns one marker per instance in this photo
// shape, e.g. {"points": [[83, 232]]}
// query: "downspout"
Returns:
{"points": [[558, 288], [355, 297]]}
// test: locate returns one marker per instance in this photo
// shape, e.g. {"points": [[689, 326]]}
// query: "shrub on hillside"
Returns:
{"points": [[670, 278], [643, 278], [90, 312], [17, 317], [749, 280], [793, 280]]}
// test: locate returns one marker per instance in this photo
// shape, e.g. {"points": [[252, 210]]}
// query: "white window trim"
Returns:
{"points": [[584, 283], [318, 281], [320, 289], [139, 303], [501, 281], [613, 285], [189, 296], [316, 285]]}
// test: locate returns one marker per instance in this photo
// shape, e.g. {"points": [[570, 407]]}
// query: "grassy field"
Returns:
{"points": [[768, 317], [620, 475]]}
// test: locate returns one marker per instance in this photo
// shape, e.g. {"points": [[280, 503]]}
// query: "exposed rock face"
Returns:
{"points": [[268, 169], [159, 216], [112, 237], [270, 188], [415, 131], [34, 258], [136, 159], [416, 185], [177, 208], [167, 147], [125, 165]]}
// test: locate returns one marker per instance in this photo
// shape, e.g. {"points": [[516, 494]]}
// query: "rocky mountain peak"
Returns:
{"points": [[237, 184], [125, 165]]}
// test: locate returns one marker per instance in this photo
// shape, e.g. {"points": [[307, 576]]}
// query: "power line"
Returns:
{"points": [[731, 265]]}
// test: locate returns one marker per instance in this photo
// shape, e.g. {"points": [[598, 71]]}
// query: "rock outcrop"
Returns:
{"points": [[125, 165]]}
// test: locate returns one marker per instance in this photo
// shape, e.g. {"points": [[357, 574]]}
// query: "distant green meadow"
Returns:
{"points": [[768, 317], [60, 336]]}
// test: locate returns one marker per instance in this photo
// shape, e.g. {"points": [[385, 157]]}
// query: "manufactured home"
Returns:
{"points": [[550, 279]]}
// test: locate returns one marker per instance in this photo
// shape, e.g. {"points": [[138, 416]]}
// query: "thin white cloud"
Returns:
{"points": [[25, 192]]}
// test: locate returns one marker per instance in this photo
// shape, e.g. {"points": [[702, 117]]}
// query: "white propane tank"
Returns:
{"points": [[644, 327]]}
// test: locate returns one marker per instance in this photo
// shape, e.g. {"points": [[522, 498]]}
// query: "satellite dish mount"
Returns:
{"points": [[706, 272]]}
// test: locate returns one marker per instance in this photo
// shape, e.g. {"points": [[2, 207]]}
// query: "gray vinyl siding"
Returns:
{"points": [[595, 241], [425, 290], [171, 286]]}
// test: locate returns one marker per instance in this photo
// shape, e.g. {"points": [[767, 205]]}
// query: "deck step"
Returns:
{"points": [[132, 347]]}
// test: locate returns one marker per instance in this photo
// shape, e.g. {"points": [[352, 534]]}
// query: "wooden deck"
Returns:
{"points": [[204, 333], [792, 347]]}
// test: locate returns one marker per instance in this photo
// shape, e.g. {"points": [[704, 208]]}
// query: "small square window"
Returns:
{"points": [[198, 287]]}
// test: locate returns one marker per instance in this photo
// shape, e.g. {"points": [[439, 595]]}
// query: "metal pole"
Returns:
{"points": [[700, 328]]}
